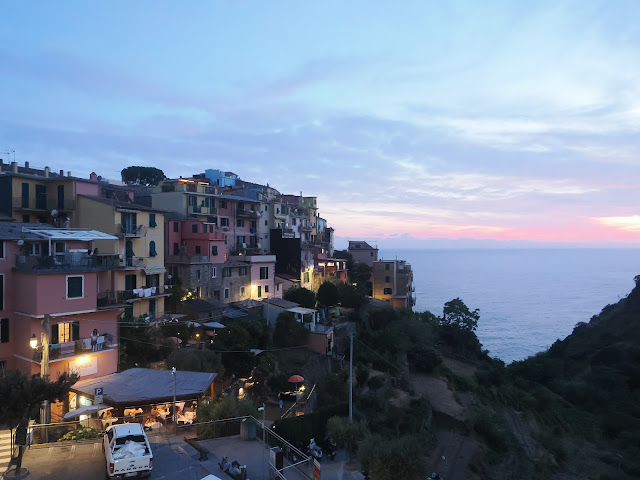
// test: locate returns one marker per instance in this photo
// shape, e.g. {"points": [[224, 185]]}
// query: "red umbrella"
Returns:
{"points": [[296, 379]]}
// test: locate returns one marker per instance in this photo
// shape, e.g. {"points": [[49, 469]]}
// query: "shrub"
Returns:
{"points": [[80, 434]]}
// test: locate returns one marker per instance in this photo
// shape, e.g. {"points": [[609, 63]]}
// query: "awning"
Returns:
{"points": [[79, 234], [154, 269], [213, 325], [86, 410]]}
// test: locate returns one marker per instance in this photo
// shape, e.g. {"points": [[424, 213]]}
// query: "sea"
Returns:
{"points": [[528, 298]]}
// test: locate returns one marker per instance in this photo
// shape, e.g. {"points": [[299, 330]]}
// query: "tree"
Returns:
{"points": [[22, 395], [351, 296], [138, 175], [328, 294], [458, 314], [302, 296], [345, 433], [288, 332], [392, 458]]}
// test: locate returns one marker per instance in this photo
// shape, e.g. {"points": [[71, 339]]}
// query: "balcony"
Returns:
{"points": [[68, 262], [306, 228], [288, 232], [187, 259], [60, 351], [134, 262], [113, 298], [20, 203], [247, 213], [128, 230]]}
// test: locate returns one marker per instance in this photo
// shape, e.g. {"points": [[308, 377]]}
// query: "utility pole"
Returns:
{"points": [[45, 417], [175, 414], [351, 380]]}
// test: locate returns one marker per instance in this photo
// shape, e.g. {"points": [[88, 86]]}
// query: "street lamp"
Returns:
{"points": [[45, 414]]}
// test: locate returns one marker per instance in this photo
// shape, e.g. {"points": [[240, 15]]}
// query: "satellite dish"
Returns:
{"points": [[20, 242]]}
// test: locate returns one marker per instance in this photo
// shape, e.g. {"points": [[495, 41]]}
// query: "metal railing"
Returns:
{"points": [[130, 230], [68, 262], [74, 347]]}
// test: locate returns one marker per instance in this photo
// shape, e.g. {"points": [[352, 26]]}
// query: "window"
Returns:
{"points": [[193, 200], [226, 272], [266, 289], [176, 249], [198, 275], [371, 254], [266, 208], [387, 291], [224, 221], [1, 291], [75, 286], [214, 272], [242, 291], [226, 293], [214, 250], [4, 330], [152, 249], [240, 223], [194, 228], [152, 220], [259, 291], [387, 266], [65, 332], [25, 218], [1, 248], [387, 279], [266, 223], [59, 247], [294, 221], [223, 204], [176, 227], [197, 249], [264, 273], [34, 248], [242, 271]]}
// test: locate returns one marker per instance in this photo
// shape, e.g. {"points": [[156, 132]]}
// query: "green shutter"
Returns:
{"points": [[54, 334], [74, 287], [75, 331], [4, 330]]}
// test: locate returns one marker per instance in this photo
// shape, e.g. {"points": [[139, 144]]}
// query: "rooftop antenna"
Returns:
{"points": [[10, 152]]}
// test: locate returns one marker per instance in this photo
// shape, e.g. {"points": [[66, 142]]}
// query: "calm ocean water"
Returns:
{"points": [[528, 298]]}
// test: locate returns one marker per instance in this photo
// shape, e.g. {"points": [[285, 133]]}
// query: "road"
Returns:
{"points": [[85, 461]]}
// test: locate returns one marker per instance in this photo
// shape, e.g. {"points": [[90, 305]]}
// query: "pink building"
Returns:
{"points": [[49, 274], [263, 268]]}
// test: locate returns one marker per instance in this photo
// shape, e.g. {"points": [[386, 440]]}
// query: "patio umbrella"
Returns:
{"points": [[175, 340], [296, 379], [86, 410]]}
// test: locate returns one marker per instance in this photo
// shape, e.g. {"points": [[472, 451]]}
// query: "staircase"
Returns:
{"points": [[5, 450]]}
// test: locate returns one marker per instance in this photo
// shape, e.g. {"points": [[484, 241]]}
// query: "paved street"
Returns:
{"points": [[173, 458]]}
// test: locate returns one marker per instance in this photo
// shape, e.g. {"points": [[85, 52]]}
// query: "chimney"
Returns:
{"points": [[14, 167], [62, 173], [68, 174], [46, 172], [26, 164], [93, 176]]}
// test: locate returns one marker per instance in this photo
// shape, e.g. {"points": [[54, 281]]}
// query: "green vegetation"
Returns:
{"points": [[302, 296], [81, 434], [137, 175]]}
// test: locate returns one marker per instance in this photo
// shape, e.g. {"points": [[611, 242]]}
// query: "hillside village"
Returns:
{"points": [[87, 265]]}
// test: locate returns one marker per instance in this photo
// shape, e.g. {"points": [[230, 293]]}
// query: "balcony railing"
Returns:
{"points": [[75, 347], [288, 232], [247, 213], [135, 262], [68, 262], [129, 230], [306, 228], [20, 203], [187, 259], [109, 298]]}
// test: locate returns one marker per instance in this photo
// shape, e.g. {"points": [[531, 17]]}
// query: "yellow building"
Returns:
{"points": [[140, 230]]}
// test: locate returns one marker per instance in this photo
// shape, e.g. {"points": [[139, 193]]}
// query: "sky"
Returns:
{"points": [[416, 124]]}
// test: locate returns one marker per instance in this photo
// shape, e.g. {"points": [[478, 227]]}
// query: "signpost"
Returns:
{"points": [[98, 397]]}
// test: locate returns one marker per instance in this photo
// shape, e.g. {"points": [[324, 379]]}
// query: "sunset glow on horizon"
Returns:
{"points": [[508, 121]]}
